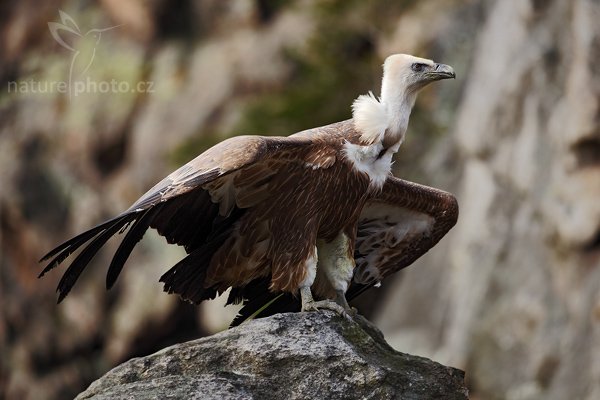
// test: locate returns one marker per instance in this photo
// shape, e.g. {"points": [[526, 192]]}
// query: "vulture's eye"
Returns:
{"points": [[418, 67]]}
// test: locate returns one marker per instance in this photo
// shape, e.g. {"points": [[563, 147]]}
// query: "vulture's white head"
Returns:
{"points": [[385, 119], [404, 74]]}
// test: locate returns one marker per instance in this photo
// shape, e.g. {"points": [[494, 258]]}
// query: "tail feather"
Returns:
{"points": [[186, 278], [81, 261], [133, 236], [265, 305], [252, 290], [260, 302]]}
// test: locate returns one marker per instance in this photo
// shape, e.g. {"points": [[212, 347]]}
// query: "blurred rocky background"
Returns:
{"points": [[511, 295]]}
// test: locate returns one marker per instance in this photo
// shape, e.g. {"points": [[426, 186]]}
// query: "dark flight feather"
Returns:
{"points": [[133, 236], [187, 277], [81, 261], [71, 245]]}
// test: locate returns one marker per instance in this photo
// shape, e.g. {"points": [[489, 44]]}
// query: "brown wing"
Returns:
{"points": [[182, 207], [219, 161], [397, 227]]}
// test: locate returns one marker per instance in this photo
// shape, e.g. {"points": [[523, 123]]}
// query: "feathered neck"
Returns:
{"points": [[387, 116]]}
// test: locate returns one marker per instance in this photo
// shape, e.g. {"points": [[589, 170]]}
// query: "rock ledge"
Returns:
{"points": [[287, 356]]}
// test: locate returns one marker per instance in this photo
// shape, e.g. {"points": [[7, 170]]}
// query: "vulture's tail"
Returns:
{"points": [[186, 278], [259, 302]]}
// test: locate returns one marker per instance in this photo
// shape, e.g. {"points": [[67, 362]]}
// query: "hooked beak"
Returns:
{"points": [[441, 71]]}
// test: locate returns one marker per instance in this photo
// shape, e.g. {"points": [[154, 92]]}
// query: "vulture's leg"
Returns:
{"points": [[306, 297], [308, 302], [336, 258]]}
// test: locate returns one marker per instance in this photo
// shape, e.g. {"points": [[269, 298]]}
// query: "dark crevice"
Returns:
{"points": [[267, 9], [552, 61], [540, 5], [547, 371], [177, 19], [595, 56], [47, 361], [9, 72], [587, 152], [36, 182], [111, 155], [594, 244], [180, 326], [358, 45], [54, 357]]}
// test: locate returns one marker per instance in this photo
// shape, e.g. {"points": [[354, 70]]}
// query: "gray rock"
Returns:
{"points": [[287, 356]]}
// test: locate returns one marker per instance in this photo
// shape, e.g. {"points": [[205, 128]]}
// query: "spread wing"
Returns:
{"points": [[195, 207], [397, 227]]}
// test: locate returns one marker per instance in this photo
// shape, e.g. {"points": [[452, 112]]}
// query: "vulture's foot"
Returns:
{"points": [[309, 304], [326, 305]]}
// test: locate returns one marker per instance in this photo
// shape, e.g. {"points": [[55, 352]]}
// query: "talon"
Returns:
{"points": [[340, 298], [339, 305], [325, 305]]}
